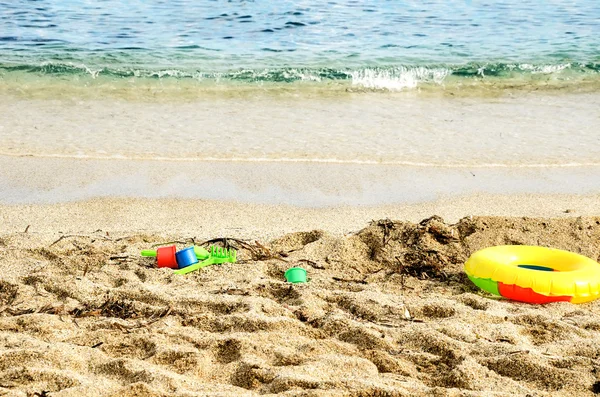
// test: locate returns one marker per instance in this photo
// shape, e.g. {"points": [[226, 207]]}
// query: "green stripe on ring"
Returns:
{"points": [[486, 284]]}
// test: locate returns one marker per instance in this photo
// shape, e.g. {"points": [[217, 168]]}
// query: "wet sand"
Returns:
{"points": [[409, 128], [30, 180]]}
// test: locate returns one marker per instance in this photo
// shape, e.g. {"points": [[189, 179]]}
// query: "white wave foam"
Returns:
{"points": [[92, 72], [300, 74], [544, 69], [170, 73], [399, 78]]}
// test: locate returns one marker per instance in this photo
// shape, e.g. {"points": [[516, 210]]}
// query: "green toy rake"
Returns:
{"points": [[217, 256]]}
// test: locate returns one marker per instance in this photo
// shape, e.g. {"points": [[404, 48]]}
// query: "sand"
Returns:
{"points": [[387, 310]]}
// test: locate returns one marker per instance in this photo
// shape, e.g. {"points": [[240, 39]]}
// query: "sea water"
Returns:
{"points": [[446, 84], [377, 43]]}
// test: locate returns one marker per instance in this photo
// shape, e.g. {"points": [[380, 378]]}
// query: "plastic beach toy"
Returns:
{"points": [[165, 256], [201, 253], [217, 256], [295, 275], [535, 274], [186, 257]]}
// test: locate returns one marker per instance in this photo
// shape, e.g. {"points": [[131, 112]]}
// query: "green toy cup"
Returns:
{"points": [[295, 275]]}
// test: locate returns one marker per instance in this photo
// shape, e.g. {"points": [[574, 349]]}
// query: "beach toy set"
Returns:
{"points": [[190, 259], [195, 258], [535, 274]]}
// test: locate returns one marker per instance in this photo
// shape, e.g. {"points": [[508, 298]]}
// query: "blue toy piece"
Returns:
{"points": [[186, 257]]}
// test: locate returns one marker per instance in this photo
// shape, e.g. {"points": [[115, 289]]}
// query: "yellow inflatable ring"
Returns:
{"points": [[535, 274]]}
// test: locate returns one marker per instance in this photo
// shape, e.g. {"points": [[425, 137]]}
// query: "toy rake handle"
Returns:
{"points": [[148, 253]]}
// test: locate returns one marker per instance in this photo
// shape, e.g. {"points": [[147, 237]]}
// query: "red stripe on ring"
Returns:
{"points": [[527, 295]]}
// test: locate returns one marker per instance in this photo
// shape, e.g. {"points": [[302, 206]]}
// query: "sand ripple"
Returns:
{"points": [[387, 312]]}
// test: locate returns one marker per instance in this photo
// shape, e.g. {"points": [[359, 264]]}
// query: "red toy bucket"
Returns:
{"points": [[165, 257]]}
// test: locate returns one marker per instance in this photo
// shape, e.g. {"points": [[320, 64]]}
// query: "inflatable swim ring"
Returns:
{"points": [[535, 274]]}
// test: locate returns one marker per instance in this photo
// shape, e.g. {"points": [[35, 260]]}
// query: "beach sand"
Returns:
{"points": [[387, 310]]}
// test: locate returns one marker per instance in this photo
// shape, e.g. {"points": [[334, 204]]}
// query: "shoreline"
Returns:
{"points": [[477, 80]]}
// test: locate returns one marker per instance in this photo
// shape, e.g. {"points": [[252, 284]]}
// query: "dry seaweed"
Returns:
{"points": [[8, 293], [67, 236], [189, 240], [110, 308], [423, 264], [257, 251], [427, 250]]}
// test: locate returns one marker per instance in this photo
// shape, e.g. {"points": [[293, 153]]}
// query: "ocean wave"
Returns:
{"points": [[391, 77], [398, 78]]}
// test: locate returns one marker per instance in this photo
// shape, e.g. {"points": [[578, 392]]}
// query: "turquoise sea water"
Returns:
{"points": [[378, 44]]}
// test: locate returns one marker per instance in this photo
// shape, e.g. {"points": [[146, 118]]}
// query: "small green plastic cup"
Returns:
{"points": [[295, 275]]}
